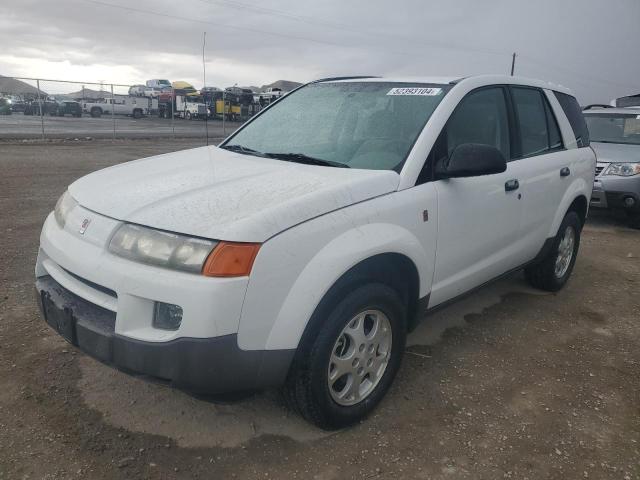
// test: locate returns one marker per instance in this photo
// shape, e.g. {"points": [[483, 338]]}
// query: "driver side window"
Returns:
{"points": [[480, 117]]}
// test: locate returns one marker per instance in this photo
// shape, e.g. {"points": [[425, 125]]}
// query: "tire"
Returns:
{"points": [[309, 388], [96, 112], [137, 113], [187, 115], [553, 272]]}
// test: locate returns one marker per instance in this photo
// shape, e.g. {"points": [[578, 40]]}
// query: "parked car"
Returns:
{"points": [[139, 90], [5, 106], [33, 107], [136, 107], [210, 90], [273, 92], [159, 84], [18, 106], [301, 251], [615, 137], [66, 107]]}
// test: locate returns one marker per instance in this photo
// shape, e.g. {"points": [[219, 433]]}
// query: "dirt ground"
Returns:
{"points": [[508, 383]]}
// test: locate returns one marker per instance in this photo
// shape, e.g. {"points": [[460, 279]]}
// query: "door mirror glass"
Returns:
{"points": [[472, 160]]}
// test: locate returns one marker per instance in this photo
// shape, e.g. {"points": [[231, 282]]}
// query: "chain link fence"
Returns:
{"points": [[46, 109]]}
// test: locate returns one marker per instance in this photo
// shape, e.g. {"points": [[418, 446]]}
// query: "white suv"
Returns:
{"points": [[301, 251]]}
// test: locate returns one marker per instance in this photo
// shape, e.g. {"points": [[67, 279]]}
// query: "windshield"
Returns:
{"points": [[370, 125], [614, 127]]}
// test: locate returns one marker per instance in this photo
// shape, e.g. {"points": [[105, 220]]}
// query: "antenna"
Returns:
{"points": [[204, 84], [513, 63]]}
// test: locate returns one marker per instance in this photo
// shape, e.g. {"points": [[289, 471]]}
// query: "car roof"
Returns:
{"points": [[613, 110], [444, 80]]}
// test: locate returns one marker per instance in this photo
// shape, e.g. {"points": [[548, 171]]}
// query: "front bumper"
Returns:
{"points": [[202, 365], [612, 193]]}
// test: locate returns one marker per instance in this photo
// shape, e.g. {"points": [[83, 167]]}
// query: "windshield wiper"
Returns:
{"points": [[243, 150], [306, 159]]}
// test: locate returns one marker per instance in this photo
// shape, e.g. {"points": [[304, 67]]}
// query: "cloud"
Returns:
{"points": [[257, 43]]}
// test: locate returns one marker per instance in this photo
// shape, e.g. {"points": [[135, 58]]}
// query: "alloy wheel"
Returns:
{"points": [[359, 357]]}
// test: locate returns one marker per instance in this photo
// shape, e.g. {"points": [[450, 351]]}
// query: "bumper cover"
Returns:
{"points": [[611, 192], [201, 365]]}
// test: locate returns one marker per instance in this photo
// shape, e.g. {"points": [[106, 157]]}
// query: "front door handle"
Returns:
{"points": [[511, 185], [565, 172]]}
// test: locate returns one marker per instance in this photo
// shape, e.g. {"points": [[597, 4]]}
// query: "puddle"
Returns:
{"points": [[430, 329], [138, 405]]}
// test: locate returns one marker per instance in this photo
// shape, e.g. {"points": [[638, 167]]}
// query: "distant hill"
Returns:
{"points": [[11, 86], [285, 85], [87, 93]]}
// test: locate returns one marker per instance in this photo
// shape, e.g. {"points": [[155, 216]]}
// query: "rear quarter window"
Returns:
{"points": [[574, 114]]}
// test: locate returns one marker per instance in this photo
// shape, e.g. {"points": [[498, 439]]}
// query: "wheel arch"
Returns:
{"points": [[575, 198], [392, 269], [377, 252], [580, 205]]}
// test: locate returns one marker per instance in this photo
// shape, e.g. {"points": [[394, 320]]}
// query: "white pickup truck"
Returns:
{"points": [[301, 251], [132, 106]]}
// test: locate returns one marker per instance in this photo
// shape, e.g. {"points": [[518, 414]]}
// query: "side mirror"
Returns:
{"points": [[472, 160]]}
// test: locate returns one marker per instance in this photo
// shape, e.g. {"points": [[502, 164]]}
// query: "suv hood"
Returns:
{"points": [[616, 152], [213, 193]]}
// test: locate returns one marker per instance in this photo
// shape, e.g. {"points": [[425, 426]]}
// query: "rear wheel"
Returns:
{"points": [[553, 271], [137, 113], [96, 112], [340, 376]]}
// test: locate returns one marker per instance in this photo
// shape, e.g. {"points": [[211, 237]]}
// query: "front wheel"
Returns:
{"points": [[187, 115], [340, 376], [554, 270]]}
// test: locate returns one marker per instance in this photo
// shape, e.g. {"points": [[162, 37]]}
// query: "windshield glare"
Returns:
{"points": [[370, 125], [614, 127]]}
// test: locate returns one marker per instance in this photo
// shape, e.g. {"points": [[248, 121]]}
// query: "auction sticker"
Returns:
{"points": [[422, 91]]}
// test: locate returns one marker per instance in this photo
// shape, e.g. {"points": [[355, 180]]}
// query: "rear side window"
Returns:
{"points": [[539, 131], [532, 118], [574, 114], [555, 138]]}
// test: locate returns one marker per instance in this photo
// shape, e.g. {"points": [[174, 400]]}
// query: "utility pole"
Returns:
{"points": [[40, 108], [204, 84], [513, 63]]}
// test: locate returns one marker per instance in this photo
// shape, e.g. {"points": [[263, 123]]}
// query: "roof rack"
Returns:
{"points": [[335, 79], [596, 105]]}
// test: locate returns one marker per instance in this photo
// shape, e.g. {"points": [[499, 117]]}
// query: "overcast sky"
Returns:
{"points": [[590, 46]]}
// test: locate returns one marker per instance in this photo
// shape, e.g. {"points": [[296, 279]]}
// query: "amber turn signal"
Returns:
{"points": [[230, 259]]}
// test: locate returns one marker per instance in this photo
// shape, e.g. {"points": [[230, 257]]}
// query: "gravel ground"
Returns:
{"points": [[508, 383]]}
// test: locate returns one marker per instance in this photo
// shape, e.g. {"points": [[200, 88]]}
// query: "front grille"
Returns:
{"points": [[599, 169], [95, 286]]}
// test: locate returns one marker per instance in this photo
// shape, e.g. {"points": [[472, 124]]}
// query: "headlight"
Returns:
{"points": [[623, 169], [160, 248], [64, 205]]}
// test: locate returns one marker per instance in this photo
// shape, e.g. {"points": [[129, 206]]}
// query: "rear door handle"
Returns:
{"points": [[511, 185], [565, 172]]}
